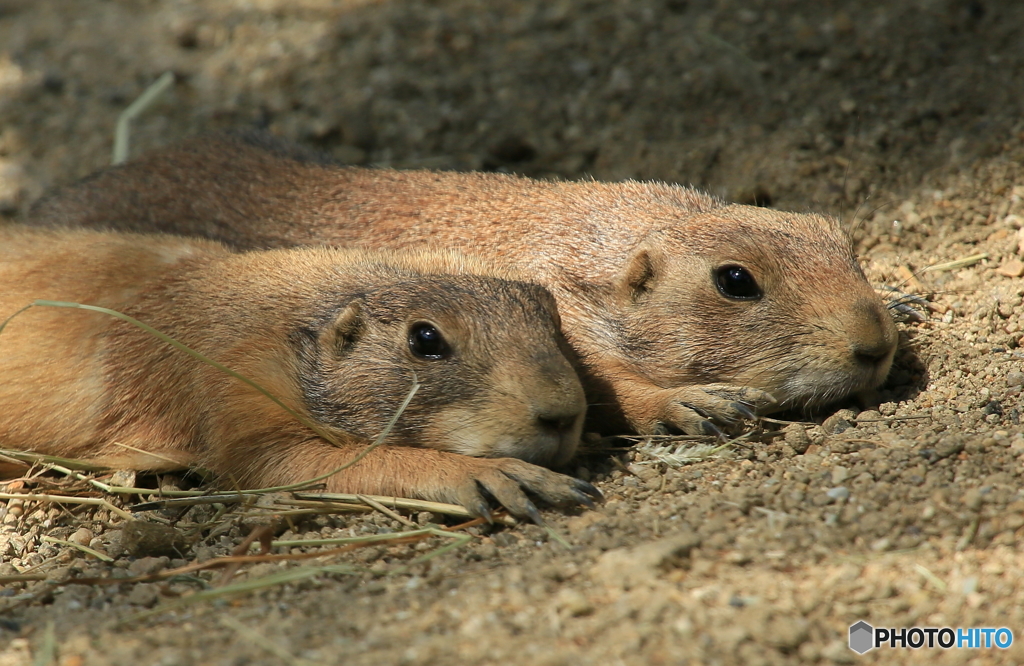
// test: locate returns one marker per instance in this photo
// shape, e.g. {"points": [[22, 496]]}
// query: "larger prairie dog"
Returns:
{"points": [[339, 336], [684, 310]]}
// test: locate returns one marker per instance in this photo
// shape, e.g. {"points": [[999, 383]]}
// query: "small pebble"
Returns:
{"points": [[82, 537], [973, 499], [839, 422], [574, 603], [148, 565], [144, 594], [838, 493], [144, 539], [796, 437], [879, 545], [123, 478]]}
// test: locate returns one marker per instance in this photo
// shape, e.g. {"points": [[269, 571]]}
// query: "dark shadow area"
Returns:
{"points": [[795, 105]]}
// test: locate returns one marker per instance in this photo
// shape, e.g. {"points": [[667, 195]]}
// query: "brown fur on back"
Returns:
{"points": [[327, 331], [633, 265]]}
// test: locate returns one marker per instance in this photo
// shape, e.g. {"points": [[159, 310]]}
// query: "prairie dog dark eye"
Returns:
{"points": [[427, 342], [736, 282]]}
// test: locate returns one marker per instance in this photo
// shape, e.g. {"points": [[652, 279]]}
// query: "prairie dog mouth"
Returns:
{"points": [[814, 390]]}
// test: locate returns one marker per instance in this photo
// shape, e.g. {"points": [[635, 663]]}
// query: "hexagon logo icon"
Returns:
{"points": [[862, 637]]}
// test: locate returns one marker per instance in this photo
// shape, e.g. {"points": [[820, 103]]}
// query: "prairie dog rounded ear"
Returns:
{"points": [[345, 329], [638, 278]]}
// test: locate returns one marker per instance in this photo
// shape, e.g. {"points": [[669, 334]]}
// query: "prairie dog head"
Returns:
{"points": [[757, 298], [494, 373]]}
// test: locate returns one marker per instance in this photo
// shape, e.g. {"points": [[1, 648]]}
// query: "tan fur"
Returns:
{"points": [[325, 330], [631, 264]]}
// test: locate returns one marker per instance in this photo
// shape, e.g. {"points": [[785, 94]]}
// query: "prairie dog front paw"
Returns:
{"points": [[706, 409]]}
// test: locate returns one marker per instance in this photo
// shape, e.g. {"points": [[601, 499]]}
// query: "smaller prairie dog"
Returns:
{"points": [[337, 335], [685, 311]]}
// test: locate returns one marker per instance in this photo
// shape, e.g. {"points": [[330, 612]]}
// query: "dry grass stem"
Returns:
{"points": [[67, 499], [21, 578], [47, 652], [146, 453], [351, 544], [959, 263], [85, 549], [369, 501], [936, 582], [29, 457], [288, 575], [122, 131], [244, 587], [404, 503]]}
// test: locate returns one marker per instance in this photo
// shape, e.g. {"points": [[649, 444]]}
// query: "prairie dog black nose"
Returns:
{"points": [[558, 422], [560, 409], [873, 335], [560, 405]]}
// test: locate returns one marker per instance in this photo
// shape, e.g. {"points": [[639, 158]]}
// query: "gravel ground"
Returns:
{"points": [[902, 117]]}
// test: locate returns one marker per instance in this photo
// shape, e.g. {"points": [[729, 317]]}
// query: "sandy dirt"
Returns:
{"points": [[903, 117]]}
